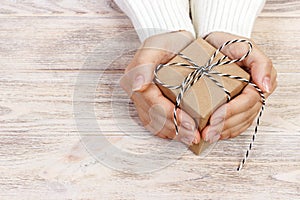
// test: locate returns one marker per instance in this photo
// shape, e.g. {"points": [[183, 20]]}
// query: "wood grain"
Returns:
{"points": [[74, 39], [107, 8], [60, 66]]}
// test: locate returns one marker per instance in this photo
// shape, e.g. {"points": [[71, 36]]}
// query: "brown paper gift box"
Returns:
{"points": [[204, 97]]}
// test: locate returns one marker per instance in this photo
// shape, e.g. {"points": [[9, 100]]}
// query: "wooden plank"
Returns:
{"points": [[38, 129], [37, 101], [47, 46], [69, 177], [68, 42], [281, 8], [107, 8]]}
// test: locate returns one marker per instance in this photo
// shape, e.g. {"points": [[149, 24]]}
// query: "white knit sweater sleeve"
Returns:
{"points": [[151, 17], [233, 16]]}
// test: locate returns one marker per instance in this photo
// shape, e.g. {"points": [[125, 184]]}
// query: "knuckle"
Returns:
{"points": [[237, 50], [226, 135], [248, 123], [169, 108], [179, 117], [237, 133], [223, 126], [252, 100], [170, 134], [250, 103], [161, 136], [229, 111], [248, 120]]}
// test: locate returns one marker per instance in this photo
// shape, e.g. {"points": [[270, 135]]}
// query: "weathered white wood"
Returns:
{"points": [[66, 42], [107, 8], [48, 47], [39, 130]]}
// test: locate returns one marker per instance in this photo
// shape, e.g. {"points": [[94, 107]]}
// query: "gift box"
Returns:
{"points": [[204, 97]]}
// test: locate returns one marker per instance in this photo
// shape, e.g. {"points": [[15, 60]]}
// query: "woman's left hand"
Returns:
{"points": [[235, 117]]}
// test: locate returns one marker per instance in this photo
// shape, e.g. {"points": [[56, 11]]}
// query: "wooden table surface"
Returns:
{"points": [[67, 131]]}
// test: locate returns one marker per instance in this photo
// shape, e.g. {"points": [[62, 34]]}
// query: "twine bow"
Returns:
{"points": [[206, 70]]}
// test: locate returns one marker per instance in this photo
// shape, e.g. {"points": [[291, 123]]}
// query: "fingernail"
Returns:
{"points": [[216, 121], [212, 136], [219, 115], [267, 84], [138, 83], [215, 139], [188, 126], [209, 136], [195, 141], [188, 139]]}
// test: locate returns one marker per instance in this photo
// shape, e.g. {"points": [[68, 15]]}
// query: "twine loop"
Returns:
{"points": [[207, 70]]}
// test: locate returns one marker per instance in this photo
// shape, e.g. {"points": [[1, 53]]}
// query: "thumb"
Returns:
{"points": [[257, 62], [158, 49], [140, 72], [137, 78], [260, 67]]}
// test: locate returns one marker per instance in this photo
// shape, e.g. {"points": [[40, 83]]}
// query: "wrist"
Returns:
{"points": [[173, 41], [152, 17]]}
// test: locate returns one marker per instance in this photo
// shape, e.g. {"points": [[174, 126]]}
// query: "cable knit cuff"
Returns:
{"points": [[232, 16], [151, 17]]}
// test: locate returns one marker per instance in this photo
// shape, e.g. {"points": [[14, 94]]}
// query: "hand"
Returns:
{"points": [[154, 110], [235, 117]]}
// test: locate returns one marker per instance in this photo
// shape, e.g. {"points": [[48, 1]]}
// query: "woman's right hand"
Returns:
{"points": [[156, 111]]}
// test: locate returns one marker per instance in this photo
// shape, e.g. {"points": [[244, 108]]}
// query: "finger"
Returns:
{"points": [[186, 137], [235, 131], [137, 79], [235, 112], [261, 70], [167, 133], [274, 79], [154, 51], [242, 103], [238, 129], [157, 128], [212, 135], [156, 110], [259, 64], [189, 124], [187, 129], [153, 96], [240, 118], [231, 127], [153, 117], [164, 127]]}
